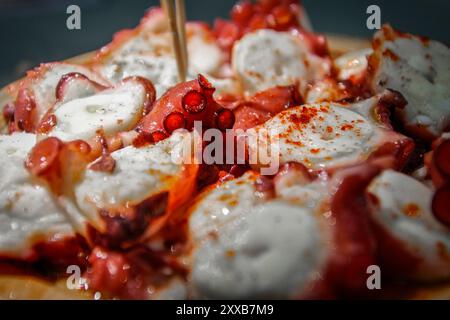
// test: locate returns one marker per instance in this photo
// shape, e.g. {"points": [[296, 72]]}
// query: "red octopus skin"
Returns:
{"points": [[192, 100], [353, 237], [357, 241], [265, 104], [437, 162], [266, 14], [133, 274], [68, 79], [50, 257], [23, 111], [58, 163]]}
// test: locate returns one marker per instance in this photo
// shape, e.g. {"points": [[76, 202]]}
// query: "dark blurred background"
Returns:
{"points": [[34, 31]]}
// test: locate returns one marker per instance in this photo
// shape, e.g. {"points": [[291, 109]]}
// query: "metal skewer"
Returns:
{"points": [[176, 14]]}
